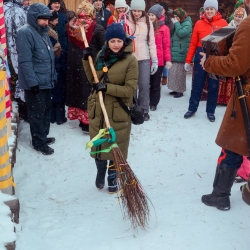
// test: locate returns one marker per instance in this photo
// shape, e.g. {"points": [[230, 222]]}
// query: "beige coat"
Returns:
{"points": [[232, 133], [143, 49]]}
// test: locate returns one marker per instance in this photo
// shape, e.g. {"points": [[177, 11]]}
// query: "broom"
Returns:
{"points": [[135, 206]]}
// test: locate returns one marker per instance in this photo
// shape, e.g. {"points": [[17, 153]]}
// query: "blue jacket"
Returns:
{"points": [[35, 52]]}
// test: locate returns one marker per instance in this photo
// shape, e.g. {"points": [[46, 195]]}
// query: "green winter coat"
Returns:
{"points": [[180, 39], [123, 77]]}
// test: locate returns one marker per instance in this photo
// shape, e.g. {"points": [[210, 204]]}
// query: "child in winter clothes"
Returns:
{"points": [[210, 21], [120, 12], [141, 28], [239, 15], [244, 171], [162, 41], [180, 38]]}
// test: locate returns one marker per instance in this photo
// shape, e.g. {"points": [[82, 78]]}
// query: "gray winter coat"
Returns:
{"points": [[35, 52]]}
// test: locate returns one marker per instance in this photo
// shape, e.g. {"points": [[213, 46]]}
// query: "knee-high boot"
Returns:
{"points": [[112, 178], [223, 182], [101, 171]]}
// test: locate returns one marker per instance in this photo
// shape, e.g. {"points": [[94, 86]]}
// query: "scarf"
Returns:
{"points": [[100, 60], [75, 35], [112, 59]]}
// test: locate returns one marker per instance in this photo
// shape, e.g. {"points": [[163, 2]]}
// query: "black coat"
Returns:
{"points": [[78, 86]]}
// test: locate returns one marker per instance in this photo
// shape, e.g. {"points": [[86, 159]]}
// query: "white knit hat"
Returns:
{"points": [[211, 3], [138, 5], [120, 4]]}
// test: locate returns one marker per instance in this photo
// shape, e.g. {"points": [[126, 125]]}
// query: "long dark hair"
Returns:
{"points": [[147, 22]]}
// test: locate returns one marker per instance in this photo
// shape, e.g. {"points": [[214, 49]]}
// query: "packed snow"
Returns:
{"points": [[175, 160]]}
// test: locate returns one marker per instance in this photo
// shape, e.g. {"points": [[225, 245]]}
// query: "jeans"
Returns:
{"points": [[198, 85]]}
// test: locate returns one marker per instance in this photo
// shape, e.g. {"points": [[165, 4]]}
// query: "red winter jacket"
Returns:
{"points": [[163, 43], [203, 28]]}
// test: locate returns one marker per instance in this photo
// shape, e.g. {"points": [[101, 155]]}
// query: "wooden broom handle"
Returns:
{"points": [[104, 111]]}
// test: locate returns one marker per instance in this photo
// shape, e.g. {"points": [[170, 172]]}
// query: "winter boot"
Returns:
{"points": [[223, 182], [101, 171], [112, 178], [246, 191]]}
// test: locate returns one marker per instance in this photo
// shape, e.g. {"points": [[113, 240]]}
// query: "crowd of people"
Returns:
{"points": [[135, 53]]}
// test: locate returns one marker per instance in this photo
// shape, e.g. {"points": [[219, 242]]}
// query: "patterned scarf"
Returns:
{"points": [[180, 13]]}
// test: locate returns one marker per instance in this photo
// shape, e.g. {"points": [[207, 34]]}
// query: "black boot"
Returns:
{"points": [[101, 171], [223, 182], [112, 178]]}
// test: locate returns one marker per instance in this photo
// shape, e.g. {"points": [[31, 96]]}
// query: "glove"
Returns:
{"points": [[187, 67], [100, 86], [168, 65], [86, 53], [154, 66], [35, 90], [174, 20]]}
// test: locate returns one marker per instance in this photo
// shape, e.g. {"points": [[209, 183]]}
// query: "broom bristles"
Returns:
{"points": [[134, 199]]}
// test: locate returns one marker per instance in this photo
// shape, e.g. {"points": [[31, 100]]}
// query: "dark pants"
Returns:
{"points": [[39, 107], [155, 87], [102, 166], [58, 113], [230, 159], [198, 85]]}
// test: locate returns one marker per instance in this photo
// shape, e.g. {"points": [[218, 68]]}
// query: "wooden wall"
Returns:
{"points": [[190, 6]]}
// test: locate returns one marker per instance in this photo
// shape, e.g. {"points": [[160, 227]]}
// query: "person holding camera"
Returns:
{"points": [[118, 69], [232, 135]]}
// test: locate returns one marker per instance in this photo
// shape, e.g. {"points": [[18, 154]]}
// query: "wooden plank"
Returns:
{"points": [[14, 206]]}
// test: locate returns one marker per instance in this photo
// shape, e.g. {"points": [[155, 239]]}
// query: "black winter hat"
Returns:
{"points": [[164, 5], [54, 1], [54, 16], [115, 30]]}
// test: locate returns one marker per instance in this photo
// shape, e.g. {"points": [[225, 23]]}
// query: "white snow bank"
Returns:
{"points": [[7, 234]]}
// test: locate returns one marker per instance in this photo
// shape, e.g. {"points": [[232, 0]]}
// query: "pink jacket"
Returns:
{"points": [[163, 43], [244, 169], [143, 49]]}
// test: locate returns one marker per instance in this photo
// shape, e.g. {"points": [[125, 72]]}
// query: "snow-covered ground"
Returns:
{"points": [[174, 158]]}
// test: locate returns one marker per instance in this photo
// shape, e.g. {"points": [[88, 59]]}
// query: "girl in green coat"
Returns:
{"points": [[180, 39], [120, 81]]}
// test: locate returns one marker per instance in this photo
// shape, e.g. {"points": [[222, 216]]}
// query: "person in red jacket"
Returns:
{"points": [[210, 21], [162, 42]]}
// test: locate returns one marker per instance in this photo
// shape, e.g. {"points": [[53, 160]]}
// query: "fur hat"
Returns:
{"points": [[86, 8], [138, 5], [120, 4], [156, 10], [115, 30], [54, 16], [211, 3]]}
